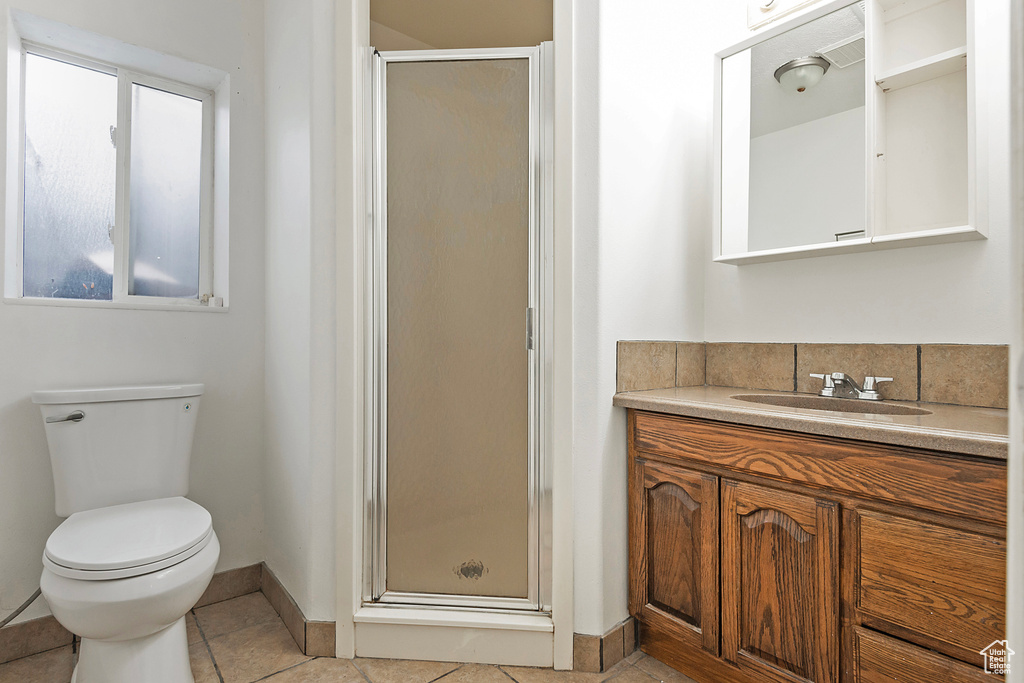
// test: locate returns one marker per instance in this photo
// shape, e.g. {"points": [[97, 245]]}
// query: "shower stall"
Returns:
{"points": [[458, 471]]}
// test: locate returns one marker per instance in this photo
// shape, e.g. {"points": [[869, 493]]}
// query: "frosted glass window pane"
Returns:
{"points": [[166, 144], [457, 364], [70, 172]]}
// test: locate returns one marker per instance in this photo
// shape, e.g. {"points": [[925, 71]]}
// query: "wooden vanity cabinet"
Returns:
{"points": [[763, 555]]}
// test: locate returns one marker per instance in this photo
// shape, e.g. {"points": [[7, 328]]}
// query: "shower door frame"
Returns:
{"points": [[538, 328]]}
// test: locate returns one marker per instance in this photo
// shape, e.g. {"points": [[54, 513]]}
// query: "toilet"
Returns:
{"points": [[134, 555]]}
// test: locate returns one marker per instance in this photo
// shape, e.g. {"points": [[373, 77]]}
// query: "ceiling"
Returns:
{"points": [[447, 24], [773, 108]]}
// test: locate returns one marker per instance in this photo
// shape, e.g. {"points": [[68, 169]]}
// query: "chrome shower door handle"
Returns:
{"points": [[76, 416]]}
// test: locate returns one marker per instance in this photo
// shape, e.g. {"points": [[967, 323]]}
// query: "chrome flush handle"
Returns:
{"points": [[76, 416]]}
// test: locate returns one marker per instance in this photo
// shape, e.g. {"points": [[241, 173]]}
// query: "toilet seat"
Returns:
{"points": [[127, 540]]}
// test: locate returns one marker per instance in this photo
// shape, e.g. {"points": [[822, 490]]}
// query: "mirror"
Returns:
{"points": [[793, 138]]}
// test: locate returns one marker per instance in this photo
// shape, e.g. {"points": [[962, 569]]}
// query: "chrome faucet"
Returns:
{"points": [[841, 385]]}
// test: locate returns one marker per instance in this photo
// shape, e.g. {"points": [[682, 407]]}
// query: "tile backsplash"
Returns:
{"points": [[960, 374], [753, 366], [898, 361]]}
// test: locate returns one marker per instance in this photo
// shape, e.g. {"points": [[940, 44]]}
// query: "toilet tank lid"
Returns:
{"points": [[102, 394]]}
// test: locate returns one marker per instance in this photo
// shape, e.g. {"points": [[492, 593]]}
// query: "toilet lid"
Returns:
{"points": [[120, 537]]}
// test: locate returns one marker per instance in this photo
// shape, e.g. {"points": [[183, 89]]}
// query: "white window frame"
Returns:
{"points": [[121, 235]]}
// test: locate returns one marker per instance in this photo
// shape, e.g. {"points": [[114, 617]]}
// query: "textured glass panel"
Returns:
{"points": [[167, 135], [70, 160], [458, 268]]}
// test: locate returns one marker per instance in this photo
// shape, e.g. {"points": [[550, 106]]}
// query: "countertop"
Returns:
{"points": [[957, 429]]}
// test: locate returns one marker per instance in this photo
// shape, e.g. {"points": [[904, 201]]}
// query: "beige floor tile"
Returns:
{"points": [[52, 666], [202, 666], [476, 673], [191, 629], [232, 615], [527, 674], [255, 652], [320, 670], [635, 657], [661, 671], [402, 670], [632, 675]]}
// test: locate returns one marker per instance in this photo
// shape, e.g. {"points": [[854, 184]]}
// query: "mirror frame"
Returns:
{"points": [[976, 227]]}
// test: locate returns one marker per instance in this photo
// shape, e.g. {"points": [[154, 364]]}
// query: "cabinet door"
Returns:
{"points": [[674, 552], [780, 583]]}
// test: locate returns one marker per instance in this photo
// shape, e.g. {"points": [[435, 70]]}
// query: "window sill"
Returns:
{"points": [[190, 306]]}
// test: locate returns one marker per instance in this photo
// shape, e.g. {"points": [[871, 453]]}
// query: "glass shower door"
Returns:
{"points": [[456, 467]]}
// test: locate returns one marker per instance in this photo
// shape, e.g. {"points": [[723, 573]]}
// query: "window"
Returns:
{"points": [[117, 183]]}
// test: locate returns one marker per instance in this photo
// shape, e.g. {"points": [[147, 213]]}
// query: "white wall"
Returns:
{"points": [[957, 293], [643, 258], [643, 138], [300, 302], [801, 173], [56, 347]]}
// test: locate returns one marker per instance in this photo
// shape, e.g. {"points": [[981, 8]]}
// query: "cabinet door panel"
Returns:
{"points": [[674, 551], [780, 578]]}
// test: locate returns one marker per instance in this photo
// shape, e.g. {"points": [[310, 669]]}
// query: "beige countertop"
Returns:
{"points": [[958, 429]]}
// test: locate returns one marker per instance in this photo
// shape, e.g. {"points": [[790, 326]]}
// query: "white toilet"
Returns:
{"points": [[133, 555]]}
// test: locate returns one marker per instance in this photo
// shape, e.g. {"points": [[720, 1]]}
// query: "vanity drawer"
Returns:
{"points": [[944, 584], [880, 659], [939, 482]]}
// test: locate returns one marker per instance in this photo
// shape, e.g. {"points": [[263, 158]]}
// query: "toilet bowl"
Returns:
{"points": [[134, 555]]}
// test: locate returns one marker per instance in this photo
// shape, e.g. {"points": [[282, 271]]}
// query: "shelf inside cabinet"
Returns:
{"points": [[922, 70]]}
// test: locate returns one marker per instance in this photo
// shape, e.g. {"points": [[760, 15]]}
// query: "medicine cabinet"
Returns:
{"points": [[848, 127]]}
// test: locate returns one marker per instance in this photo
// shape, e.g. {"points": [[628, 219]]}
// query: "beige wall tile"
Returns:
{"points": [[898, 361], [232, 583], [629, 637], [690, 361], [586, 653], [965, 374], [30, 637], [271, 588], [320, 638], [645, 365], [292, 617], [611, 648], [750, 366]]}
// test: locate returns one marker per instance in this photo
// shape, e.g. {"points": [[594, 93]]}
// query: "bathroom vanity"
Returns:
{"points": [[774, 543]]}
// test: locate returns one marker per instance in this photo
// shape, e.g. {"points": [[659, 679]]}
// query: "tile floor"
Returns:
{"points": [[243, 641]]}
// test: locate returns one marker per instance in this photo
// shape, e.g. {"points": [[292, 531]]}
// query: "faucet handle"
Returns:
{"points": [[826, 378], [828, 386], [871, 383]]}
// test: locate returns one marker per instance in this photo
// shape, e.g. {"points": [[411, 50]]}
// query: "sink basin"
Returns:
{"points": [[842, 405]]}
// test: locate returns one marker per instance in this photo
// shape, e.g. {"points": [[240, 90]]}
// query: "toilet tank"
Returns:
{"points": [[131, 443]]}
